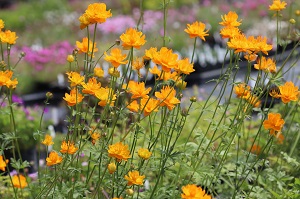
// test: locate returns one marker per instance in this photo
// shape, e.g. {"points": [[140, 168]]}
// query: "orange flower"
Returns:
{"points": [[75, 78], [19, 181], [239, 43], [144, 153], [166, 58], [274, 92], [277, 5], [68, 148], [73, 98], [134, 178], [250, 57], [274, 123], [255, 149], [119, 151], [155, 71], [252, 99], [1, 24], [8, 37], [184, 66], [91, 87], [111, 167], [133, 106], [86, 46], [138, 90], [266, 64], [105, 95], [132, 38], [260, 45], [191, 191], [150, 53], [242, 90], [95, 135], [53, 159], [230, 19], [229, 32], [289, 92], [137, 65], [95, 13], [98, 72], [167, 97], [149, 105], [5, 79], [48, 140], [197, 29], [3, 163], [116, 58]]}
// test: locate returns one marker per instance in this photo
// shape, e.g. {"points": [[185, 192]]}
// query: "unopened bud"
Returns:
{"points": [[129, 192], [49, 95], [70, 58], [193, 99], [111, 167], [113, 72], [292, 21], [117, 42], [297, 12], [22, 54]]}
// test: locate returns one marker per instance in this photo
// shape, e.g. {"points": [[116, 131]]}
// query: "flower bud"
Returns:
{"points": [[49, 95], [70, 58], [129, 192], [193, 99], [113, 72], [117, 42], [111, 167], [292, 21], [22, 54], [297, 12]]}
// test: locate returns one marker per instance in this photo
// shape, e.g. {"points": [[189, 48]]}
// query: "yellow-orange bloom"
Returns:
{"points": [[95, 13], [48, 140], [166, 59], [134, 106], [239, 43], [134, 178], [116, 58], [73, 98], [119, 151], [150, 53], [191, 191], [75, 78], [252, 99], [3, 163], [289, 92], [112, 167], [229, 32], [242, 90], [138, 64], [86, 46], [105, 96], [132, 38], [167, 97], [68, 147], [8, 37], [196, 29], [5, 79], [255, 149], [91, 87], [184, 66], [144, 153], [19, 181], [259, 44], [230, 19], [53, 159], [149, 105], [138, 90], [98, 72], [277, 5], [266, 64], [274, 123], [1, 24]]}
